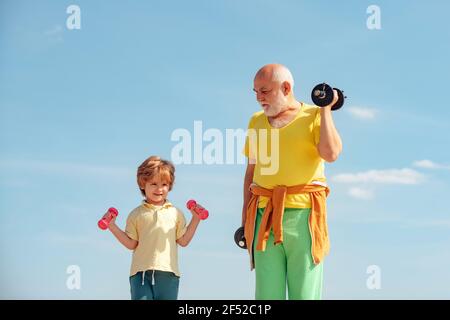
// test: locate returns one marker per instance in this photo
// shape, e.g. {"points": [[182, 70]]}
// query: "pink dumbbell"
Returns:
{"points": [[104, 222], [198, 209]]}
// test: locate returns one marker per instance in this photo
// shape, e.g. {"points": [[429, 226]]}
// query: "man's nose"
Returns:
{"points": [[259, 97]]}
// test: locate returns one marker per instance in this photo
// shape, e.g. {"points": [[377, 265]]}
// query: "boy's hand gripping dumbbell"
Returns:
{"points": [[109, 215], [198, 209]]}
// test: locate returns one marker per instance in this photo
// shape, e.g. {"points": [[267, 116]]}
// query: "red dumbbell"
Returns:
{"points": [[104, 222], [198, 209]]}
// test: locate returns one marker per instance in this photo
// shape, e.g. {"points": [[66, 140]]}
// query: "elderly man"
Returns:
{"points": [[284, 210]]}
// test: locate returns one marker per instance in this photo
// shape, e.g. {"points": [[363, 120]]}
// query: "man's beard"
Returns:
{"points": [[276, 106]]}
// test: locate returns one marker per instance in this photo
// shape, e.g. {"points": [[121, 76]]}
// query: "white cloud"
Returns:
{"points": [[362, 112], [55, 30], [428, 164], [427, 223], [395, 218], [93, 241], [67, 168], [55, 33], [360, 193], [391, 176]]}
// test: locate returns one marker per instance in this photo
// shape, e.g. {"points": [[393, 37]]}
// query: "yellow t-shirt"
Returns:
{"points": [[156, 228], [293, 160]]}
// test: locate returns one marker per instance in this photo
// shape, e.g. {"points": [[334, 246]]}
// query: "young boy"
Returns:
{"points": [[153, 231]]}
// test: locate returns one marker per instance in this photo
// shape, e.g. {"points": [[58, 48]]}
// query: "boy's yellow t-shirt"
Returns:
{"points": [[298, 160], [156, 228]]}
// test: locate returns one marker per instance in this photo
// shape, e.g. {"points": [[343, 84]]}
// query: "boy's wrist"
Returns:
{"points": [[111, 225]]}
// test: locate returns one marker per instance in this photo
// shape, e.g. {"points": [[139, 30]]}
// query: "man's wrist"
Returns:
{"points": [[325, 110]]}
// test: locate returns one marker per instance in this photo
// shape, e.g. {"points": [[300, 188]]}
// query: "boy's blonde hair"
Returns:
{"points": [[153, 167]]}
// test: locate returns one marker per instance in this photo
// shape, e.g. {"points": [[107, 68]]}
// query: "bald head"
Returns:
{"points": [[275, 72], [273, 85]]}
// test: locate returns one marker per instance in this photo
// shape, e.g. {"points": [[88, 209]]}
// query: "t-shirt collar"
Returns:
{"points": [[166, 204]]}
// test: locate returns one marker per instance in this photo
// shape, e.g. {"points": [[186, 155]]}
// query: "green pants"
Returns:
{"points": [[289, 263]]}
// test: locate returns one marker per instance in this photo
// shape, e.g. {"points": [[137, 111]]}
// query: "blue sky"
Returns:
{"points": [[81, 109]]}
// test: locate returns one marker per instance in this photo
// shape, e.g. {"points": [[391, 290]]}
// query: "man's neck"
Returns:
{"points": [[286, 116]]}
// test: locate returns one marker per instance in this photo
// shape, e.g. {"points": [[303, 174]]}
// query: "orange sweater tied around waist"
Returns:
{"points": [[273, 217]]}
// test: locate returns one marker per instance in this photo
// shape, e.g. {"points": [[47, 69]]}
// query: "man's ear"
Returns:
{"points": [[286, 87]]}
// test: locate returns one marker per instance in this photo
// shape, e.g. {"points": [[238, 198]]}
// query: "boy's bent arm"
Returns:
{"points": [[123, 237], [190, 231]]}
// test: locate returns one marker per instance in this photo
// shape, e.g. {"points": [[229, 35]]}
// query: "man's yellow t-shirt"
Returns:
{"points": [[286, 156], [156, 228]]}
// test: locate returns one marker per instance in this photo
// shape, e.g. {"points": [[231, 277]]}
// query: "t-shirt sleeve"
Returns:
{"points": [[131, 228], [181, 224], [250, 141], [316, 127]]}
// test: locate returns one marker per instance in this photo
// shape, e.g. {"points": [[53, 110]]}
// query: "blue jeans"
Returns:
{"points": [[154, 285]]}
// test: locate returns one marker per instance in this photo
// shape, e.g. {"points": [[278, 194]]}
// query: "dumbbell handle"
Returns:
{"points": [[198, 209], [319, 93]]}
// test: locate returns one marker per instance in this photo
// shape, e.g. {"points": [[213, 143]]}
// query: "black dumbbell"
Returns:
{"points": [[239, 238], [322, 95]]}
